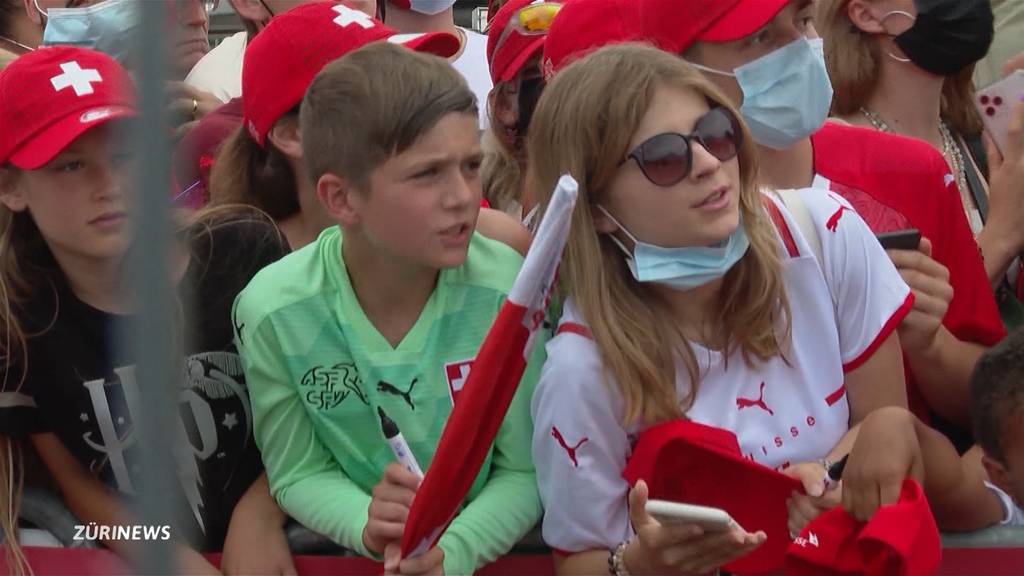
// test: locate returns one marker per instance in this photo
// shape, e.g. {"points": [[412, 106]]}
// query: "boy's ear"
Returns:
{"points": [[340, 200], [11, 194], [997, 473], [32, 13], [287, 138]]}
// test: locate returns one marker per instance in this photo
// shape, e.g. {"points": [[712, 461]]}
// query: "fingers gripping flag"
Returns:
{"points": [[500, 363]]}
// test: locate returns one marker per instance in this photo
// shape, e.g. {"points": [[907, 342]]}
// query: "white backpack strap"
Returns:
{"points": [[802, 216]]}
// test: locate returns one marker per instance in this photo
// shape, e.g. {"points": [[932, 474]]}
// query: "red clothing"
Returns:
{"points": [[896, 182]]}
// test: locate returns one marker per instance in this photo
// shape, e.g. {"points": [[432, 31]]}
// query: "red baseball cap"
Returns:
{"points": [[50, 96], [583, 26], [683, 461], [901, 539], [281, 62], [508, 49], [676, 25]]}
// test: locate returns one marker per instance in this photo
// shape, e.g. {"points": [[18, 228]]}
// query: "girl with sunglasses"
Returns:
{"points": [[690, 293]]}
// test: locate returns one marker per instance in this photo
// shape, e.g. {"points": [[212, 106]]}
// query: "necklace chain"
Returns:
{"points": [[954, 157]]}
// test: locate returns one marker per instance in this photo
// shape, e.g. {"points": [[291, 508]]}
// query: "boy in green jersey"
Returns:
{"points": [[386, 310]]}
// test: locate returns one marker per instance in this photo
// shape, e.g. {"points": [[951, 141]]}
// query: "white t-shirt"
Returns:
{"points": [[1012, 514], [782, 413], [220, 71], [472, 64]]}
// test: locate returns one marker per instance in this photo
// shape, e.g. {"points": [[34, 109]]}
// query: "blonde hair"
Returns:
{"points": [[583, 125], [854, 60]]}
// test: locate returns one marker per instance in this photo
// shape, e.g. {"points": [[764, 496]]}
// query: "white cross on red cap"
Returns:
{"points": [[348, 16], [75, 77]]}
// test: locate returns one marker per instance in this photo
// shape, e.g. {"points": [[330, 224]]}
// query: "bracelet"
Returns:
{"points": [[617, 560], [825, 463]]}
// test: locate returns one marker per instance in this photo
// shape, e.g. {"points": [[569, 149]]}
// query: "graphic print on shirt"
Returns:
{"points": [[324, 388], [214, 421], [833, 220], [456, 374], [570, 450], [759, 402], [388, 388]]}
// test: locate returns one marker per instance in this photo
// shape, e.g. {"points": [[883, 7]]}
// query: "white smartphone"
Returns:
{"points": [[995, 104], [710, 519]]}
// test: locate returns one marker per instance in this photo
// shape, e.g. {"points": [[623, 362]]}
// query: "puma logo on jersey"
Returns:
{"points": [[570, 450], [742, 403], [389, 388], [833, 220]]}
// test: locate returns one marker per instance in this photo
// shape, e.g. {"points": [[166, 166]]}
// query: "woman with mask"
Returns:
{"points": [[691, 294], [515, 41], [766, 58], [905, 67]]}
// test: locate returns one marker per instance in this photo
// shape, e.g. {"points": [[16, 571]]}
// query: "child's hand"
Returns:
{"points": [[803, 508], [681, 548], [389, 508], [886, 452], [430, 563]]}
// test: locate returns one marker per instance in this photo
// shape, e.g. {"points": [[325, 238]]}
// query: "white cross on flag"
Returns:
{"points": [[78, 79], [456, 374], [348, 16]]}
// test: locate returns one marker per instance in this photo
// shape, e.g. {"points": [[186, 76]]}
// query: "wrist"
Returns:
{"points": [[633, 559]]}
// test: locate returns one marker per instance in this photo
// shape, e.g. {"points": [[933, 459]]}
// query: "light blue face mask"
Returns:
{"points": [[681, 268], [110, 27], [786, 94]]}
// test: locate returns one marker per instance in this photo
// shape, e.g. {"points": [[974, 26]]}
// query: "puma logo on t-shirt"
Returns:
{"points": [[742, 403], [570, 450], [389, 388]]}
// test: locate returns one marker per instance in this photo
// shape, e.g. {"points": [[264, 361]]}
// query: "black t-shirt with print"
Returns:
{"points": [[84, 387]]}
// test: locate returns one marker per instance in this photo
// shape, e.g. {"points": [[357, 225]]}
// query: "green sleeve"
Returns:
{"points": [[509, 505], [305, 478]]}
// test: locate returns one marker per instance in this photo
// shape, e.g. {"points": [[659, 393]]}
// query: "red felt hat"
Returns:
{"points": [[901, 539], [683, 461], [281, 62], [507, 48], [583, 26], [51, 96], [676, 25]]}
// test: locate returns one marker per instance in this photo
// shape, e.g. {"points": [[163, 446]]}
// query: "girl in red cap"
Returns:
{"points": [[689, 293], [68, 390]]}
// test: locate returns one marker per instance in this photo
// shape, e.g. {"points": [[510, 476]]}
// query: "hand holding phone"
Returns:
{"points": [[710, 519], [908, 239], [995, 104]]}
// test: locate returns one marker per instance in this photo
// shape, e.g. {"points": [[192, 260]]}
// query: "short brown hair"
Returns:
{"points": [[374, 103]]}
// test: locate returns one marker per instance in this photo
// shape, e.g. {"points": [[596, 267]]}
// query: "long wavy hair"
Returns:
{"points": [[583, 125]]}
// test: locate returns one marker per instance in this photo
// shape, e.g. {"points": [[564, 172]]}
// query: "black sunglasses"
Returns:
{"points": [[666, 159]]}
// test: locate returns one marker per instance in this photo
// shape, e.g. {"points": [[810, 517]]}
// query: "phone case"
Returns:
{"points": [[995, 103]]}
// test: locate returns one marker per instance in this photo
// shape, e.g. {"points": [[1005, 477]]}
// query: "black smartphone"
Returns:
{"points": [[900, 239]]}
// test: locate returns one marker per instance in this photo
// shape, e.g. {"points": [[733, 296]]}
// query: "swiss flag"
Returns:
{"points": [[456, 373], [488, 389]]}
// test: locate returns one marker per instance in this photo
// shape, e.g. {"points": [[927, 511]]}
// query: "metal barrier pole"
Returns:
{"points": [[158, 369]]}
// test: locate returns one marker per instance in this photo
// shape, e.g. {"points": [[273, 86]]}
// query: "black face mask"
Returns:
{"points": [[948, 35], [529, 93]]}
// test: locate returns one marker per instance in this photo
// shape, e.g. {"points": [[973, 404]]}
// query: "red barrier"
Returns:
{"points": [[88, 562]]}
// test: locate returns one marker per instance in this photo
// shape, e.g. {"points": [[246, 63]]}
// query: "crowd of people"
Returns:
{"points": [[355, 187]]}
